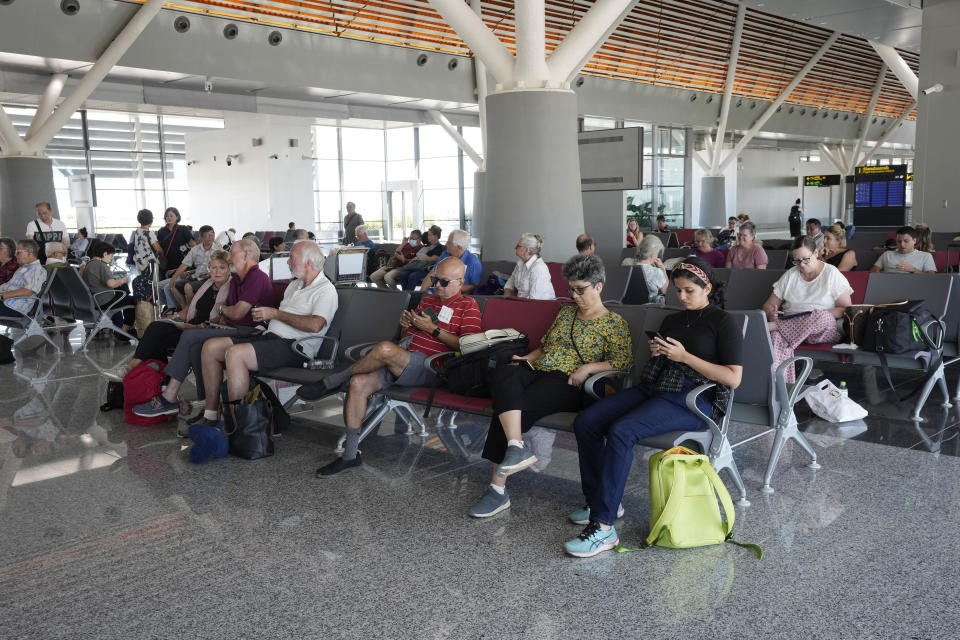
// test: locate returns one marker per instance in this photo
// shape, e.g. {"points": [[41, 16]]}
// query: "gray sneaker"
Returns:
{"points": [[490, 504], [516, 459]]}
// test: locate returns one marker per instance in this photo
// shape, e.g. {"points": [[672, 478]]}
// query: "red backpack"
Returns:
{"points": [[140, 385]]}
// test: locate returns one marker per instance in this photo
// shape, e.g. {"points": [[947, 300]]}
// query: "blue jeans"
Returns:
{"points": [[608, 430], [413, 279]]}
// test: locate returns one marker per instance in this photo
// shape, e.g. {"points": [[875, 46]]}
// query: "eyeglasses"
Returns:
{"points": [[21, 251], [443, 282], [579, 290], [806, 260]]}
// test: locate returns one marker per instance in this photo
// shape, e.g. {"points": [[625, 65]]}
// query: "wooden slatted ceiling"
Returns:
{"points": [[676, 43]]}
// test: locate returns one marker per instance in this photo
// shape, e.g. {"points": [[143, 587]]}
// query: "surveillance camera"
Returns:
{"points": [[70, 7], [208, 85], [229, 162], [937, 88]]}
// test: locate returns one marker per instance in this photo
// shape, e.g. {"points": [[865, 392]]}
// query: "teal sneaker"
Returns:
{"points": [[591, 541], [582, 516], [490, 504], [515, 459]]}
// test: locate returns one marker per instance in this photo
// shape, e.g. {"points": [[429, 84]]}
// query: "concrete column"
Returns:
{"points": [[24, 181], [713, 201], [479, 203], [936, 191], [533, 173]]}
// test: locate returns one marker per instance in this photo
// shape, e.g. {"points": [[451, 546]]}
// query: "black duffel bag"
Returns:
{"points": [[469, 374], [900, 328]]}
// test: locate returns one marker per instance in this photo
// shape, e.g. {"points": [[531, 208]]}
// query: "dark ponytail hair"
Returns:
{"points": [[716, 295]]}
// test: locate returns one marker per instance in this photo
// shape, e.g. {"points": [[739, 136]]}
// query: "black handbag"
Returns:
{"points": [[250, 423]]}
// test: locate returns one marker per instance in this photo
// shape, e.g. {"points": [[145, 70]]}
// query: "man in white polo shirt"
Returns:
{"points": [[308, 307], [906, 259], [45, 228]]}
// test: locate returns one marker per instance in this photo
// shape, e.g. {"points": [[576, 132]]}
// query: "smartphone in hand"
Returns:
{"points": [[655, 334], [430, 313]]}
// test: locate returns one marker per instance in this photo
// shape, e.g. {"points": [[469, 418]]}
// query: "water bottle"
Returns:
{"points": [[843, 389]]}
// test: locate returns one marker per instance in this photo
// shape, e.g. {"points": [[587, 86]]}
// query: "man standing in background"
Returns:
{"points": [[45, 228], [350, 223]]}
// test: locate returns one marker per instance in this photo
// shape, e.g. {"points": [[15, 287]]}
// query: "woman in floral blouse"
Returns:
{"points": [[585, 339]]}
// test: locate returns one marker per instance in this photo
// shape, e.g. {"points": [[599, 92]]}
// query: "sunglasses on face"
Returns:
{"points": [[579, 290], [443, 282]]}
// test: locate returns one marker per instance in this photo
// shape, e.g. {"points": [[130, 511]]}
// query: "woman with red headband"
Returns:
{"points": [[700, 344]]}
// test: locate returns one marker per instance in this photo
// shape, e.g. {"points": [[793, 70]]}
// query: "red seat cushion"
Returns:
{"points": [[685, 236], [452, 400], [857, 280], [533, 317], [556, 277]]}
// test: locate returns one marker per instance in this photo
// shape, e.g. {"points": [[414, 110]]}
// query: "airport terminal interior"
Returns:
{"points": [[674, 139]]}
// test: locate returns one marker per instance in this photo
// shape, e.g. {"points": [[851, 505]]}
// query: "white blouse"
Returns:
{"points": [[531, 279]]}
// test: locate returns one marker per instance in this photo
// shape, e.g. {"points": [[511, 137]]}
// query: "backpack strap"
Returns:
{"points": [[725, 500], [672, 507]]}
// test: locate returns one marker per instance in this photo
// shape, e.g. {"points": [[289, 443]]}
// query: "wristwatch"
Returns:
{"points": [[436, 332]]}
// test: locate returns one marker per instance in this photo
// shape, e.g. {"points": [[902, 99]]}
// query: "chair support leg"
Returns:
{"points": [[936, 377], [34, 329], [724, 460], [787, 430]]}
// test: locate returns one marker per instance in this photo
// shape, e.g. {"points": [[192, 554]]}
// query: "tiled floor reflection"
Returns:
{"points": [[108, 531]]}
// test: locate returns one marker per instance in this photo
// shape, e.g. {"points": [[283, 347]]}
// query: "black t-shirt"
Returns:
{"points": [[436, 249], [179, 246], [713, 334], [205, 306]]}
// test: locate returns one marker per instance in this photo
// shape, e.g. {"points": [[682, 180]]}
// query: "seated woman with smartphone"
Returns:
{"points": [[585, 338], [700, 344], [163, 335], [806, 303]]}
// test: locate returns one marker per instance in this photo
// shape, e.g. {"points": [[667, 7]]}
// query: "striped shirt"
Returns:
{"points": [[464, 321]]}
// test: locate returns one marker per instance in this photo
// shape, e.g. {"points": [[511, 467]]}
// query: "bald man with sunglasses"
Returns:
{"points": [[436, 325]]}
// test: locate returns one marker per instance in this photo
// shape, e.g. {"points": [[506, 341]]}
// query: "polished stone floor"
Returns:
{"points": [[108, 531]]}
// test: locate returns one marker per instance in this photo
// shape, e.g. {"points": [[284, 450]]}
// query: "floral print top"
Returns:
{"points": [[603, 339]]}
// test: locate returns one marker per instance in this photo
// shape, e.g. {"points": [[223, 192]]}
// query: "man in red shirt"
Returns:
{"points": [[436, 325]]}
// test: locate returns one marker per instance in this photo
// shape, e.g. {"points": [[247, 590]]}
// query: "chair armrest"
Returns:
{"points": [[300, 344], [357, 351], [428, 363], [590, 384], [691, 400], [937, 342], [789, 398]]}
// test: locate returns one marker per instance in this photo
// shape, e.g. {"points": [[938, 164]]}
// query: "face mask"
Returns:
{"points": [[414, 242]]}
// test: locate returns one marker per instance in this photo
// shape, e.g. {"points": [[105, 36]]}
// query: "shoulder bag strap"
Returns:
{"points": [[573, 322], [173, 235]]}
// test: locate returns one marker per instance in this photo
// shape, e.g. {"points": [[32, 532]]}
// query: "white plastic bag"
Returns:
{"points": [[826, 401]]}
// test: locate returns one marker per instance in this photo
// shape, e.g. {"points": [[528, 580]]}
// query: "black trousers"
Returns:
{"points": [[125, 299], [157, 340], [535, 393]]}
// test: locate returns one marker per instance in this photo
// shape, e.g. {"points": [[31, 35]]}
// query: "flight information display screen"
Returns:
{"points": [[880, 196], [822, 181]]}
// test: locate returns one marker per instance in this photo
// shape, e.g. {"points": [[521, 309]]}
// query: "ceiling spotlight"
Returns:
{"points": [[275, 38], [231, 158], [422, 59], [230, 31], [190, 163], [181, 24], [937, 88], [693, 98], [274, 156], [579, 81], [453, 64], [70, 7]]}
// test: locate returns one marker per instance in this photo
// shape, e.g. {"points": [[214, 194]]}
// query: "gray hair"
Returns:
{"points": [[461, 238], [531, 241], [585, 267], [312, 253], [301, 234], [649, 247], [703, 234], [32, 247], [749, 227], [10, 245], [55, 247], [251, 248]]}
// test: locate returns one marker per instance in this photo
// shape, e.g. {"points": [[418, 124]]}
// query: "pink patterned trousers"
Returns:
{"points": [[815, 328]]}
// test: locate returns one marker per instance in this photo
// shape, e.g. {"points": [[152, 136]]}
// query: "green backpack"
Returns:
{"points": [[683, 503]]}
